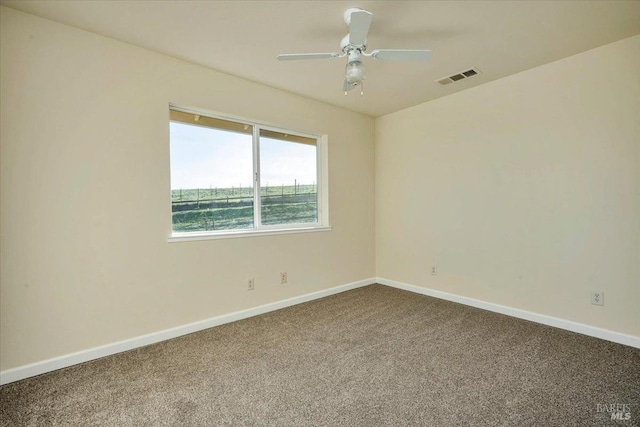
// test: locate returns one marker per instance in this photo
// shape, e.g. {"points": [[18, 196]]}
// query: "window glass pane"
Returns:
{"points": [[288, 179], [211, 176]]}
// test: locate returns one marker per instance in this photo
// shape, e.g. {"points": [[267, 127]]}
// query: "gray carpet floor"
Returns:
{"points": [[374, 356]]}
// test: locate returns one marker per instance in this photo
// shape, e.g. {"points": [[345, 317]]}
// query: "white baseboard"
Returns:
{"points": [[581, 328], [26, 371]]}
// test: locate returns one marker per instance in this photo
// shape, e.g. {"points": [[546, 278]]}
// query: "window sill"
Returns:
{"points": [[188, 237]]}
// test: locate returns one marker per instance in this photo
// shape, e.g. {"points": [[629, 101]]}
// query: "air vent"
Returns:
{"points": [[457, 77]]}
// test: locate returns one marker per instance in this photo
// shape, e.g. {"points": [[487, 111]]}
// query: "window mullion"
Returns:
{"points": [[257, 202]]}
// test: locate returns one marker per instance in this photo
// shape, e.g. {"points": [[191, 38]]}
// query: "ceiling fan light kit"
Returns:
{"points": [[355, 73], [354, 46]]}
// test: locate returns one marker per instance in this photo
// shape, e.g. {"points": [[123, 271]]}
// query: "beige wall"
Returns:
{"points": [[85, 208], [524, 191]]}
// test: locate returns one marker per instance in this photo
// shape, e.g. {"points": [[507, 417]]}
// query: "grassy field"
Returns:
{"points": [[208, 209]]}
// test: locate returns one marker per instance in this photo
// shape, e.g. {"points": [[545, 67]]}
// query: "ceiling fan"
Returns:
{"points": [[354, 46]]}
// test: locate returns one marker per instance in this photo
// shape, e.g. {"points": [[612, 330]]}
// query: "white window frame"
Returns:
{"points": [[258, 229]]}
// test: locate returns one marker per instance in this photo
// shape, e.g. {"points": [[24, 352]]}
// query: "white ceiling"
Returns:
{"points": [[244, 37]]}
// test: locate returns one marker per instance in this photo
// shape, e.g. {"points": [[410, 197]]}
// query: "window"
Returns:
{"points": [[232, 178]]}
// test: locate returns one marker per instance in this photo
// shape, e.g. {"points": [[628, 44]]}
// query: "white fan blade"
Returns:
{"points": [[401, 55], [359, 27], [290, 56], [346, 86]]}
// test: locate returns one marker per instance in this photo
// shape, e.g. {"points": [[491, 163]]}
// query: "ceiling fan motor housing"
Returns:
{"points": [[347, 47]]}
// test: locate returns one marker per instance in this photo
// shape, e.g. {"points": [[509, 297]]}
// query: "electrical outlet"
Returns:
{"points": [[597, 298], [434, 270], [251, 284], [283, 278]]}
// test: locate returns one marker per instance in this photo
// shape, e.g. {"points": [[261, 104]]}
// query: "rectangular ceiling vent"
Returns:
{"points": [[459, 76]]}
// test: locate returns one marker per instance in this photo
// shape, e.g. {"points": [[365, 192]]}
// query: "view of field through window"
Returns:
{"points": [[212, 178]]}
